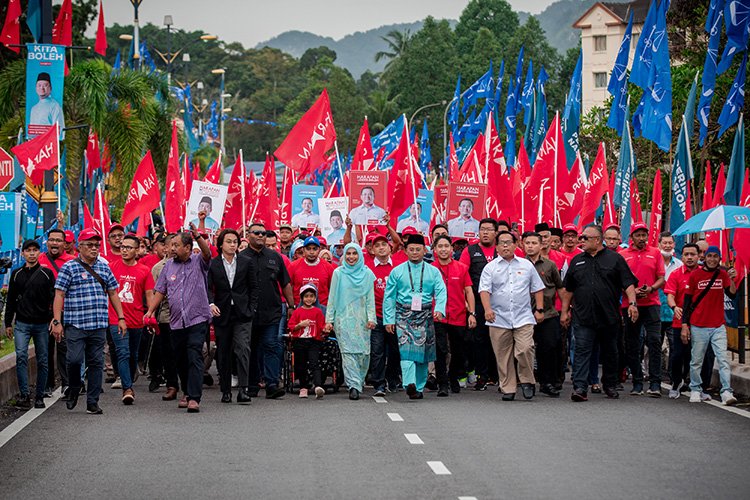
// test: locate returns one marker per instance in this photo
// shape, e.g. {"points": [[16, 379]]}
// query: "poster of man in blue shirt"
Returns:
{"points": [[45, 67]]}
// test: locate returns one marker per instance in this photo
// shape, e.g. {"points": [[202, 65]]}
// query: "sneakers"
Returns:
{"points": [[579, 396], [637, 390], [193, 406], [183, 403], [471, 378], [320, 392], [303, 393], [93, 409], [128, 396], [706, 397], [728, 399], [23, 403], [654, 391], [674, 394], [39, 402], [378, 392], [155, 383], [117, 384], [695, 397], [462, 383]]}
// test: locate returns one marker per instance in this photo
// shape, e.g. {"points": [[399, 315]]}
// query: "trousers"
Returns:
{"points": [[514, 351]]}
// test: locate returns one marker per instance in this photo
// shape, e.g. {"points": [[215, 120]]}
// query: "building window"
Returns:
{"points": [[600, 80], [600, 43], [634, 40]]}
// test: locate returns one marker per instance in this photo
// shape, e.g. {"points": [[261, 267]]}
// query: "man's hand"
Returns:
{"points": [[685, 334], [9, 332], [348, 221], [633, 312], [732, 272], [122, 328], [438, 316], [194, 230], [328, 328], [60, 219], [202, 215], [215, 311], [386, 218], [489, 316], [538, 316], [57, 331], [390, 328], [565, 318], [472, 322], [370, 325], [678, 312]]}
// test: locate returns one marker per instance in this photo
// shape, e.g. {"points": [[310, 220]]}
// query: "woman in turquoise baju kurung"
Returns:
{"points": [[351, 313], [408, 304]]}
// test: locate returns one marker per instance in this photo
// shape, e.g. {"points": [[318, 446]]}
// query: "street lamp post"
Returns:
{"points": [[221, 71], [136, 31], [426, 106], [168, 23], [445, 130]]}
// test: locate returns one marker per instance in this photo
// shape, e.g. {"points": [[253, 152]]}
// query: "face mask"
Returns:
{"points": [[666, 254]]}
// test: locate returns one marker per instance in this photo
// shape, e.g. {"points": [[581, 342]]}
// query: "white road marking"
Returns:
{"points": [[379, 399], [21, 422], [395, 417], [414, 439], [713, 402], [439, 468], [467, 498]]}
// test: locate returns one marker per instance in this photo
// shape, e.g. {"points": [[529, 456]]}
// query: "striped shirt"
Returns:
{"points": [[85, 300], [184, 285]]}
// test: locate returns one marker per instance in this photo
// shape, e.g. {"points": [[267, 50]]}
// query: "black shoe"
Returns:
{"points": [[243, 397], [39, 402], [431, 383], [619, 387], [509, 396], [596, 389], [579, 395], [274, 392], [93, 409], [208, 380], [72, 401], [420, 395], [549, 390], [611, 393], [353, 394], [411, 391], [155, 383], [480, 385], [455, 387], [65, 391], [23, 403], [227, 397], [110, 379], [443, 391], [253, 392], [528, 390], [558, 387]]}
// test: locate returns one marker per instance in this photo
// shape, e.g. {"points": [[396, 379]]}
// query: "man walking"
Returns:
{"points": [[504, 288], [311, 269], [31, 290], [593, 285], [80, 314], [163, 355]]}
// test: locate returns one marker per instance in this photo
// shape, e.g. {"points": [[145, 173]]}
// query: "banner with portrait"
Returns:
{"points": [[465, 208], [333, 212], [368, 201], [305, 211], [418, 215], [209, 198], [10, 220], [45, 74]]}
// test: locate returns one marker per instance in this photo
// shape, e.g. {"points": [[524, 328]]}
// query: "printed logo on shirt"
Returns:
{"points": [[84, 275], [173, 277], [380, 284], [126, 294], [716, 285]]}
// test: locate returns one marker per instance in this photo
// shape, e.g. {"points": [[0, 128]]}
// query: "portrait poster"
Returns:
{"points": [[207, 197], [10, 220], [440, 203], [305, 212], [465, 208], [45, 74], [368, 201], [333, 212], [418, 215]]}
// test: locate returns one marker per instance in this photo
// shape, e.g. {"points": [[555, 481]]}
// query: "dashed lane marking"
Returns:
{"points": [[414, 439], [379, 399], [439, 468], [395, 417]]}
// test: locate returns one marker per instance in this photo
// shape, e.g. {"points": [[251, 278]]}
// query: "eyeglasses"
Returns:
{"points": [[583, 237], [505, 243], [258, 233], [91, 245], [486, 229]]}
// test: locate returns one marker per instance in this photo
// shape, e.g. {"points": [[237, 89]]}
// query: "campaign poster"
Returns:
{"points": [[418, 215], [209, 198], [45, 73], [440, 203], [333, 212], [368, 201], [10, 220], [305, 212], [465, 208]]}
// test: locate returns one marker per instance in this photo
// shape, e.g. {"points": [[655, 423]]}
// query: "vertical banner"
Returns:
{"points": [[45, 73], [367, 196], [10, 221], [210, 199], [440, 205], [333, 212], [465, 208], [305, 213], [418, 215]]}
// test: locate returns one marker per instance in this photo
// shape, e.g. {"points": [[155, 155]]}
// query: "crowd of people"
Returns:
{"points": [[279, 310]]}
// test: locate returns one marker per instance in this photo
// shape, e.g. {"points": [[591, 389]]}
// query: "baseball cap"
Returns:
{"points": [[311, 240], [308, 287], [30, 243], [70, 236], [638, 226], [568, 228], [322, 241], [286, 226], [89, 234], [612, 225], [713, 249], [373, 237], [408, 230], [115, 225]]}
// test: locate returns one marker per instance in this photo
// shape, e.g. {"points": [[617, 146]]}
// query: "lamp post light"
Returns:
{"points": [[221, 71], [168, 22], [136, 31]]}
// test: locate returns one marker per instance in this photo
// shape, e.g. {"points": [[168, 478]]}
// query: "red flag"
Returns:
{"points": [[268, 206], [88, 219], [363, 157], [234, 207], [175, 195], [598, 187], [305, 146], [609, 209], [721, 184], [654, 226], [187, 181], [707, 189], [39, 154], [144, 194], [144, 221], [741, 241], [252, 187], [285, 212], [719, 238], [572, 200], [635, 202], [472, 170], [402, 186], [93, 155], [62, 31], [453, 174], [100, 46], [11, 34], [106, 158], [214, 173], [549, 178], [101, 221], [498, 204], [519, 177]]}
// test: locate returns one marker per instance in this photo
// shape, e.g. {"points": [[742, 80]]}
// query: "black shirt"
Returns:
{"points": [[272, 277], [31, 291], [597, 283]]}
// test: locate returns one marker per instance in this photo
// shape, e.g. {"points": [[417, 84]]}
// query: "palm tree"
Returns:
{"points": [[397, 42], [381, 110]]}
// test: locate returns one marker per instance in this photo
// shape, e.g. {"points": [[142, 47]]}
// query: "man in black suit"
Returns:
{"points": [[233, 294]]}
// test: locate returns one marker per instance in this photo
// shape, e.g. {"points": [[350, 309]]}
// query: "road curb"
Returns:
{"points": [[8, 381]]}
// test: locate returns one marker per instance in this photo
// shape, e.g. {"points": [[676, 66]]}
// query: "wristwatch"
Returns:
{"points": [[55, 322], [473, 313], [120, 319], [539, 310]]}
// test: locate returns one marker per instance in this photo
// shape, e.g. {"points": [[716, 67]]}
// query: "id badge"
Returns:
{"points": [[416, 302]]}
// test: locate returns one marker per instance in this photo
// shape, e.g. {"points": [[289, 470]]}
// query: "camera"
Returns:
{"points": [[5, 263]]}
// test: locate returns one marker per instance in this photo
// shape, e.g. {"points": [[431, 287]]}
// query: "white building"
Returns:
{"points": [[602, 28]]}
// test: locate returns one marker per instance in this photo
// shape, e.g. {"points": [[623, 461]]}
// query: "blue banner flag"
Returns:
{"points": [[511, 110], [453, 107], [540, 116], [737, 22], [482, 88], [681, 169], [715, 10], [709, 71], [34, 18], [656, 124], [572, 115], [527, 94], [117, 64], [626, 167], [425, 154], [690, 107], [618, 78], [639, 74], [495, 101], [388, 140], [736, 173], [735, 99]]}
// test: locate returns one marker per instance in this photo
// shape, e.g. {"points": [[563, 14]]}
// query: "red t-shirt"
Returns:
{"points": [[489, 254], [676, 285], [710, 311], [149, 260], [648, 266], [62, 259], [134, 281], [111, 258], [456, 278], [318, 274], [399, 257], [315, 330], [381, 272]]}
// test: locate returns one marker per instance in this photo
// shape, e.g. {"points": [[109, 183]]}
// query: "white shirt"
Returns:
{"points": [[305, 220], [510, 282], [363, 215], [463, 227], [231, 270], [674, 263], [421, 226]]}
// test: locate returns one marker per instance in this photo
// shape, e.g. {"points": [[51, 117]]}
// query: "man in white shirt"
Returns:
{"points": [[368, 212], [306, 217], [414, 220], [504, 289], [465, 225]]}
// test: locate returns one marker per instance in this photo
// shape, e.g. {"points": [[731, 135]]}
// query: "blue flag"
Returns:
{"points": [[682, 167], [618, 78], [735, 99], [146, 58], [639, 74], [453, 107], [425, 155], [709, 70], [117, 64], [540, 116], [34, 19], [619, 109], [626, 168], [495, 101], [737, 22], [736, 172], [690, 107], [388, 140], [572, 115], [482, 88], [715, 9], [527, 94], [656, 124], [511, 110]]}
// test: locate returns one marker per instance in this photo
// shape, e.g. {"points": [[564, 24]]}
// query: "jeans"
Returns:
{"points": [[188, 346], [648, 318], [88, 346], [306, 357], [126, 349], [586, 339], [701, 338], [22, 333], [548, 350], [679, 359], [265, 347]]}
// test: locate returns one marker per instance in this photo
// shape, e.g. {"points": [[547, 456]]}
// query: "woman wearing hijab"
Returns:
{"points": [[351, 313]]}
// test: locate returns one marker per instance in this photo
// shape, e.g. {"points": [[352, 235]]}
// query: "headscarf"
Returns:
{"points": [[296, 245], [353, 281]]}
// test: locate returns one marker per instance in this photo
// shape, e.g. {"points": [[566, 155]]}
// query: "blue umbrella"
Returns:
{"points": [[721, 217]]}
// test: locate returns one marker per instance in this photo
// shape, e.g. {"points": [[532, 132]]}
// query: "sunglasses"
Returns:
{"points": [[259, 233], [583, 237], [91, 245]]}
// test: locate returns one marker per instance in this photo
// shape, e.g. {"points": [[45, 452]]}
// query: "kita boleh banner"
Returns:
{"points": [[45, 75]]}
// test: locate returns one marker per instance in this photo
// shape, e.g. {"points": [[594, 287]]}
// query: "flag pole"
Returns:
{"points": [[341, 171], [411, 162], [243, 195], [59, 177], [101, 214]]}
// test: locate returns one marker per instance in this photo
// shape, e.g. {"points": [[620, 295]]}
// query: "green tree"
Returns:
{"points": [[311, 57], [495, 15], [381, 110], [398, 42], [475, 63]]}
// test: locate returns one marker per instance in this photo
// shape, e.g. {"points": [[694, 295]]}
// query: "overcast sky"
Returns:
{"points": [[253, 21]]}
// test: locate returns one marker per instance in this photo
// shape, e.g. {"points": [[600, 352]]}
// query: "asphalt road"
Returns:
{"points": [[335, 448]]}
